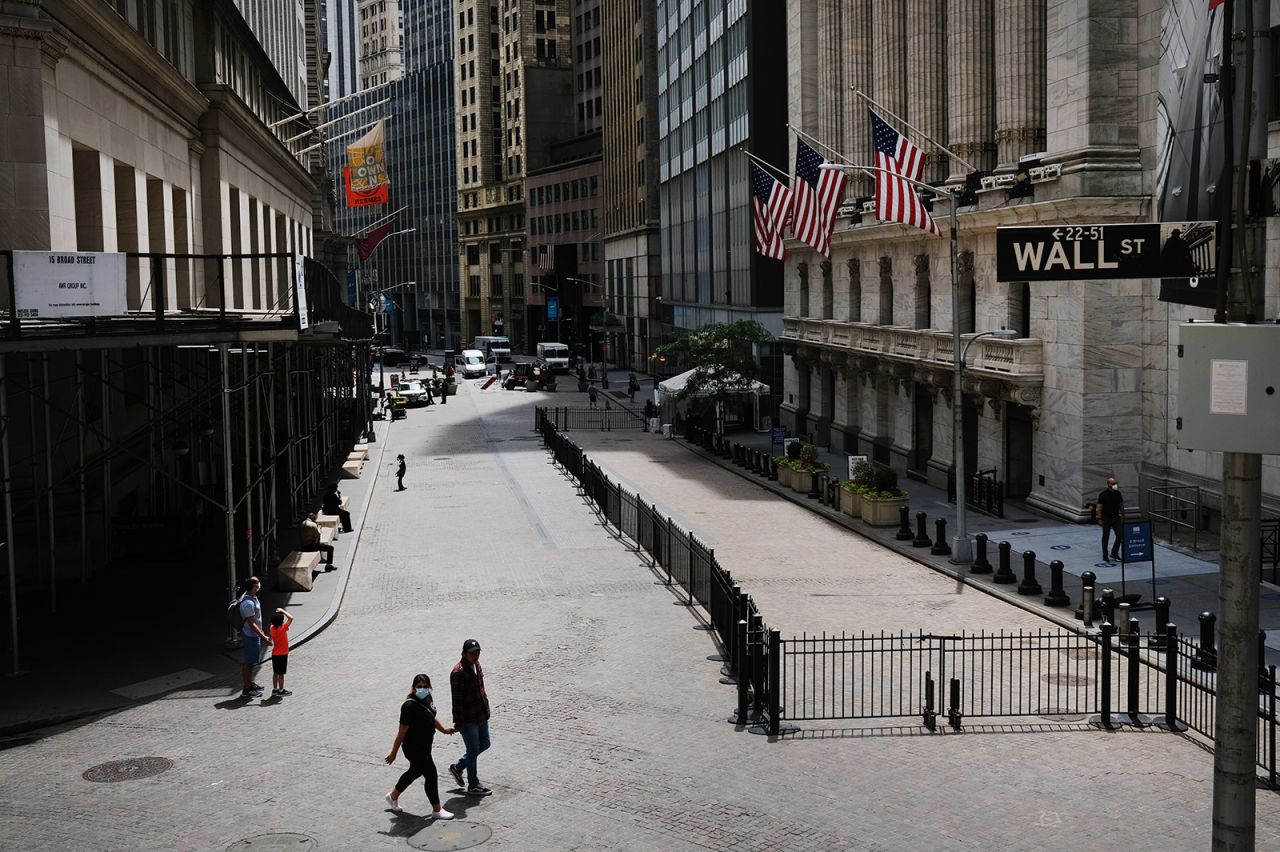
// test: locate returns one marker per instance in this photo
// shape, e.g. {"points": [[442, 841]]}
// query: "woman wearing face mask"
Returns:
{"points": [[418, 726]]}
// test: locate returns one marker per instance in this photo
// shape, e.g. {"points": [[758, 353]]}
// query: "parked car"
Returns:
{"points": [[470, 363], [390, 356], [413, 391]]}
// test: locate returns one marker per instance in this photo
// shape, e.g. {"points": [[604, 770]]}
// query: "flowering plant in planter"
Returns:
{"points": [[881, 501]]}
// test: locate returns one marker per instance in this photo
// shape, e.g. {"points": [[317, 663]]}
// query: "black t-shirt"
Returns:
{"points": [[420, 716], [1110, 502], [332, 503]]}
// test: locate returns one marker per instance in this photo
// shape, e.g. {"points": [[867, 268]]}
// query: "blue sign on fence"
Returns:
{"points": [[1137, 541], [779, 434], [553, 308]]}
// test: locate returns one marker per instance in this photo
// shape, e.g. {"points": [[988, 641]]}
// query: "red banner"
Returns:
{"points": [[363, 198]]}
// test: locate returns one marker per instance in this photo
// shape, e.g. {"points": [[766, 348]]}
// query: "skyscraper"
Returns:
{"points": [[342, 60], [380, 54]]}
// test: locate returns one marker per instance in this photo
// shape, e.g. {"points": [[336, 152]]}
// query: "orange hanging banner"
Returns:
{"points": [[365, 174]]}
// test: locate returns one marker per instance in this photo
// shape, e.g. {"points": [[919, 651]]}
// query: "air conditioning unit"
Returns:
{"points": [[1043, 173]]}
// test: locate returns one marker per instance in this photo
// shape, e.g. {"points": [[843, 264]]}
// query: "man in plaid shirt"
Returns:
{"points": [[470, 716]]}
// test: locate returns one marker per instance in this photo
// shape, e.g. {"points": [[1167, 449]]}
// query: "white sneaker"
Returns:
{"points": [[393, 804], [442, 814]]}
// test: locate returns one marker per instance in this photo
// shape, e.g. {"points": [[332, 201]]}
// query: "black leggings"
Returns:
{"points": [[421, 766]]}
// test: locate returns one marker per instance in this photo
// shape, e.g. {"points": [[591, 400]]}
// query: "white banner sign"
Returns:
{"points": [[68, 284], [300, 291], [853, 460]]}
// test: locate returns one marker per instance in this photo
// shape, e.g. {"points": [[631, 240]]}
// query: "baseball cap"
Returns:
{"points": [[470, 645]]}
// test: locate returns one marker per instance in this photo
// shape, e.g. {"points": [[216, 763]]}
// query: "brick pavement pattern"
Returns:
{"points": [[608, 722]]}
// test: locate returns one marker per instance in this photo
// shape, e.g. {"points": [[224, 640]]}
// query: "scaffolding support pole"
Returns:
{"points": [[81, 415], [233, 639], [249, 531], [16, 664], [105, 438], [35, 464], [48, 471]]}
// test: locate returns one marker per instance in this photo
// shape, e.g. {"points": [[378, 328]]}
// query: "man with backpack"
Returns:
{"points": [[249, 610]]}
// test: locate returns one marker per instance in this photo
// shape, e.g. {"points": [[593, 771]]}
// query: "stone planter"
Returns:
{"points": [[801, 481], [850, 503], [882, 513], [784, 475]]}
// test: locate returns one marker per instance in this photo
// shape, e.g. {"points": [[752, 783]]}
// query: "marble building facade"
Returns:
{"points": [[1089, 386]]}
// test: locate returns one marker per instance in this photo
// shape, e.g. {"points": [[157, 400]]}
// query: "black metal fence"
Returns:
{"points": [[1271, 546], [983, 492], [594, 419], [1119, 679]]}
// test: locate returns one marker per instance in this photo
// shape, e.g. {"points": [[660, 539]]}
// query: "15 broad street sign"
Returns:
{"points": [[1183, 250]]}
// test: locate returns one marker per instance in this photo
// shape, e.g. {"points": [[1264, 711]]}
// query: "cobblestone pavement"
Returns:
{"points": [[608, 728]]}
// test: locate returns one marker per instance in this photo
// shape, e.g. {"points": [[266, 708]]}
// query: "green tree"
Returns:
{"points": [[723, 355]]}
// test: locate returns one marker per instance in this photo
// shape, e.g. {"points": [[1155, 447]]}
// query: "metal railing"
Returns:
{"points": [[1270, 548], [1171, 505], [594, 419], [983, 492], [1125, 678]]}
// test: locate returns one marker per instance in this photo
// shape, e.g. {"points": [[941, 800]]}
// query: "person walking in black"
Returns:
{"points": [[591, 395], [1110, 514], [418, 726], [332, 505], [632, 386], [400, 473]]}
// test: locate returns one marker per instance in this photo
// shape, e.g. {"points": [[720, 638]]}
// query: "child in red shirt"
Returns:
{"points": [[280, 622]]}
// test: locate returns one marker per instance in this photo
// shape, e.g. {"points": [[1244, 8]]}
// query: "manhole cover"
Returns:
{"points": [[442, 836], [1059, 714], [129, 769], [1060, 679], [1080, 653], [282, 842]]}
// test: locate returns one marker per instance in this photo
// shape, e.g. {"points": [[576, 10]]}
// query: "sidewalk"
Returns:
{"points": [[1189, 582], [120, 660]]}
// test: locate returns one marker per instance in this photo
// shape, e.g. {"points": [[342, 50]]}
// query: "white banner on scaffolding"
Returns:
{"points": [[65, 284], [300, 291]]}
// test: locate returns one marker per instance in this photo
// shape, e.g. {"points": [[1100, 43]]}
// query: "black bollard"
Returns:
{"points": [[981, 564], [940, 546], [1157, 639], [1057, 596], [1107, 606], [922, 537], [1206, 658], [1029, 585], [1262, 661], [1086, 580], [1004, 574], [904, 525], [773, 468], [813, 485], [1087, 597]]}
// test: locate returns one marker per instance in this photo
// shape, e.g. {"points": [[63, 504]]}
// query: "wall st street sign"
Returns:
{"points": [[1181, 254]]}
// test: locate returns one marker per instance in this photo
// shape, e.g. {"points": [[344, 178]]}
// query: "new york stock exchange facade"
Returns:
{"points": [[1059, 132]]}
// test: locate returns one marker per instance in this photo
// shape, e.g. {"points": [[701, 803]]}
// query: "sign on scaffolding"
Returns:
{"points": [[300, 291], [68, 284]]}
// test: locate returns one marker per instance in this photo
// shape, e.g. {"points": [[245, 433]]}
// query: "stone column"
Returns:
{"points": [[1093, 123], [970, 95], [831, 76], [927, 81], [1020, 80], [803, 39], [859, 74], [889, 42]]}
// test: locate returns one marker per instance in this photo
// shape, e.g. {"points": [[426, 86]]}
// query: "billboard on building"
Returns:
{"points": [[68, 284], [366, 170]]}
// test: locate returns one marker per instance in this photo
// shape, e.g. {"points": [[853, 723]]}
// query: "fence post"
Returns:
{"points": [[922, 535], [1103, 719], [940, 546], [904, 525], [1029, 585], [1057, 596], [1171, 660], [930, 714], [1087, 598], [1086, 579], [775, 686], [755, 638], [1004, 574], [1206, 658], [744, 681], [1108, 607], [981, 564], [1271, 729], [953, 711], [1136, 719]]}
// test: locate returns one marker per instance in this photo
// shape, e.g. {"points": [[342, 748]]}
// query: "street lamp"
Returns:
{"points": [[960, 548]]}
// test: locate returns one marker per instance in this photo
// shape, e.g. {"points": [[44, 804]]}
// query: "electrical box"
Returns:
{"points": [[1228, 388]]}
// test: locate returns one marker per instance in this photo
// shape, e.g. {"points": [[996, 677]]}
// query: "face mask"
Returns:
{"points": [[1115, 487], [422, 692]]}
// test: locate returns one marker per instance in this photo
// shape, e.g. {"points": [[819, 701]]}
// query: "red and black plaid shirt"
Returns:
{"points": [[470, 703]]}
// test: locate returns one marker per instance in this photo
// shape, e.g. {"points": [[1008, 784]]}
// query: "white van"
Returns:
{"points": [[555, 356], [499, 347], [470, 363]]}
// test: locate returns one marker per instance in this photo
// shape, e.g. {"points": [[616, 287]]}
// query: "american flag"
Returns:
{"points": [[546, 258], [770, 209], [896, 200], [818, 193]]}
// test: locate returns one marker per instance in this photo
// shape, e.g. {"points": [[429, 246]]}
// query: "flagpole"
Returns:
{"points": [[797, 131], [377, 222], [943, 148], [766, 164]]}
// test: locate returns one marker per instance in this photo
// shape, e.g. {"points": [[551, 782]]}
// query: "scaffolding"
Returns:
{"points": [[185, 441]]}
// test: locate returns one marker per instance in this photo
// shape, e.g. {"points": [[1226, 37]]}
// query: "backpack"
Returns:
{"points": [[234, 621]]}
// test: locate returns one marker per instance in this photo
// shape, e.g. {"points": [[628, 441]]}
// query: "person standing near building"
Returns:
{"points": [[470, 716], [591, 395], [254, 637], [1110, 511], [400, 473]]}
